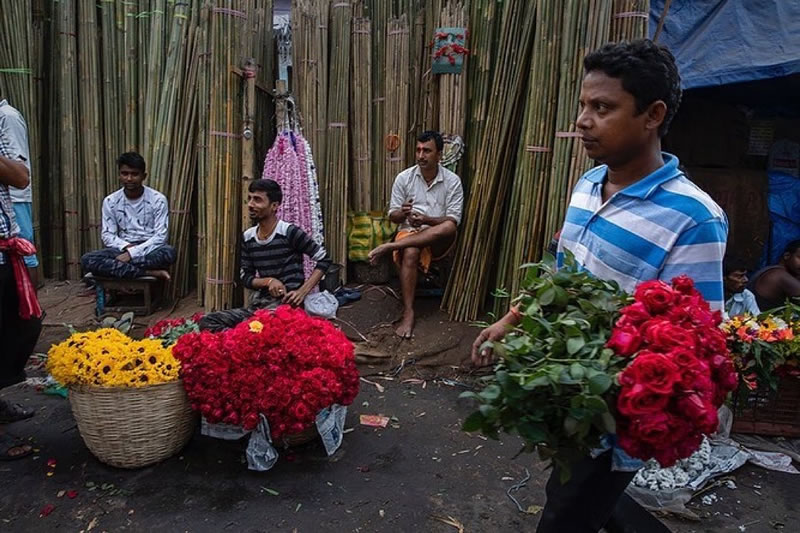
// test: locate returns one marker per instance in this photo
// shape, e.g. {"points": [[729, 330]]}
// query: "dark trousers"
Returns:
{"points": [[104, 262], [17, 337], [222, 320], [594, 498]]}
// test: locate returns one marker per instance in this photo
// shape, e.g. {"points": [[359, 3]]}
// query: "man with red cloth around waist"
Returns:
{"points": [[20, 314]]}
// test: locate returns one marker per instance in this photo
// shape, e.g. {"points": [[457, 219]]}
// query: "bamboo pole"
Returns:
{"points": [[361, 100], [396, 113], [494, 162], [334, 183]]}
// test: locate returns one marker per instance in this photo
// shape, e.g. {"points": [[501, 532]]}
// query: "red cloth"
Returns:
{"points": [[15, 249]]}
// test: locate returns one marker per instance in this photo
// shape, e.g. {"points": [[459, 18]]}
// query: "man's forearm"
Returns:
{"points": [[312, 280], [13, 173], [435, 221]]}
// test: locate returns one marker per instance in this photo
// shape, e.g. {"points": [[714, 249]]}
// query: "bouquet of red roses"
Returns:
{"points": [[283, 363], [588, 360], [680, 373], [169, 330]]}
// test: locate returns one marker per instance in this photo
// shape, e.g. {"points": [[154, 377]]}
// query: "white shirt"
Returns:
{"points": [[15, 135], [444, 197], [143, 221], [741, 303]]}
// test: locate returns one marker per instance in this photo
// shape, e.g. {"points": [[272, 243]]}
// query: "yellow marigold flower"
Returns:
{"points": [[256, 326]]}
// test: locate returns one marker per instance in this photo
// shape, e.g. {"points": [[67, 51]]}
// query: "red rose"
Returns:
{"points": [[690, 367], [653, 428], [701, 412], [634, 314], [656, 295], [661, 335], [683, 284], [654, 371], [624, 340], [639, 400]]}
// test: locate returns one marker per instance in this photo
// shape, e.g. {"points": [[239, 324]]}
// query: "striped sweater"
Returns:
{"points": [[660, 227], [279, 256]]}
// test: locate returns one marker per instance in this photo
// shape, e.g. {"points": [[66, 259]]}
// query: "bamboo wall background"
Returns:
{"points": [[165, 78]]}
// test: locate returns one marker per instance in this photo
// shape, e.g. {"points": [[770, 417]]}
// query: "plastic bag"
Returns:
{"points": [[322, 304]]}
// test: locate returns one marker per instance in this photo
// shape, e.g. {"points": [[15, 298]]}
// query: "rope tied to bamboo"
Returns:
{"points": [[231, 12], [632, 14], [538, 149], [225, 134], [214, 281], [21, 70]]}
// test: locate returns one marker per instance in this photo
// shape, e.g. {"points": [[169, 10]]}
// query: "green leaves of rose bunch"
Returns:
{"points": [[554, 374]]}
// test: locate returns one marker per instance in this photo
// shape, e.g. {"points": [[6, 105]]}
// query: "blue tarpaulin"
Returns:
{"points": [[717, 42], [784, 205]]}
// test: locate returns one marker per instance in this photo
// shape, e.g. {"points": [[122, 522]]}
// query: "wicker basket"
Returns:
{"points": [[298, 439], [768, 412], [133, 427]]}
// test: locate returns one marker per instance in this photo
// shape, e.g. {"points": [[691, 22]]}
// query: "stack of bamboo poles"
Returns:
{"points": [[585, 28], [396, 112], [90, 118], [523, 234], [629, 20], [493, 162], [222, 188], [68, 147], [379, 18], [429, 111], [452, 87], [310, 70], [360, 115], [334, 183], [19, 72]]}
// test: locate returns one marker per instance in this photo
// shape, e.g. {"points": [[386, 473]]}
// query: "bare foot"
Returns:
{"points": [[160, 274], [406, 327], [379, 251]]}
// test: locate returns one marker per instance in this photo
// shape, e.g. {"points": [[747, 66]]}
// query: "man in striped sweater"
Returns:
{"points": [[634, 218], [271, 259]]}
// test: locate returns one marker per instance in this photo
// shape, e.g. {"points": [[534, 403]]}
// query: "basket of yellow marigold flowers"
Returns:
{"points": [[126, 396]]}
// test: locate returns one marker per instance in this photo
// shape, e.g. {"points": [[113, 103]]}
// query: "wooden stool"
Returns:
{"points": [[145, 285]]}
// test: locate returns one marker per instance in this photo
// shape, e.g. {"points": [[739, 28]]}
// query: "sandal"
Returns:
{"points": [[13, 412], [8, 444]]}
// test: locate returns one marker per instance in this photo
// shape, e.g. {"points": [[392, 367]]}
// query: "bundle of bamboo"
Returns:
{"points": [[523, 234], [396, 114], [493, 162], [452, 87], [334, 183], [361, 100], [629, 19], [19, 72], [585, 27]]}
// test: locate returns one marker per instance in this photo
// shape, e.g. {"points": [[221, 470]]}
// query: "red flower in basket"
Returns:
{"points": [[283, 363], [680, 371]]}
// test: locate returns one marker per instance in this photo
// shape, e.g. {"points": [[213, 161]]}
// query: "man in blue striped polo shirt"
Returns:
{"points": [[634, 218]]}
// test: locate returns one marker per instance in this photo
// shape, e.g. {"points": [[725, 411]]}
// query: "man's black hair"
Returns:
{"points": [[792, 247], [133, 160], [426, 136], [268, 187], [647, 71], [733, 263]]}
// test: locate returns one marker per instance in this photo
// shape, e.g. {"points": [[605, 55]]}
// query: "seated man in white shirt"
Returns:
{"points": [[135, 223], [738, 299], [427, 201]]}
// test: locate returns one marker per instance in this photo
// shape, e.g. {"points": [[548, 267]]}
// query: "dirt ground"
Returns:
{"points": [[421, 473]]}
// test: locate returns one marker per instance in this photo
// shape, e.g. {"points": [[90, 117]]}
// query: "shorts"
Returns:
{"points": [[23, 211]]}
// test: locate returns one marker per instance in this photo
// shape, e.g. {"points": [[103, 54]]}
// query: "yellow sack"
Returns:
{"points": [[365, 231]]}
